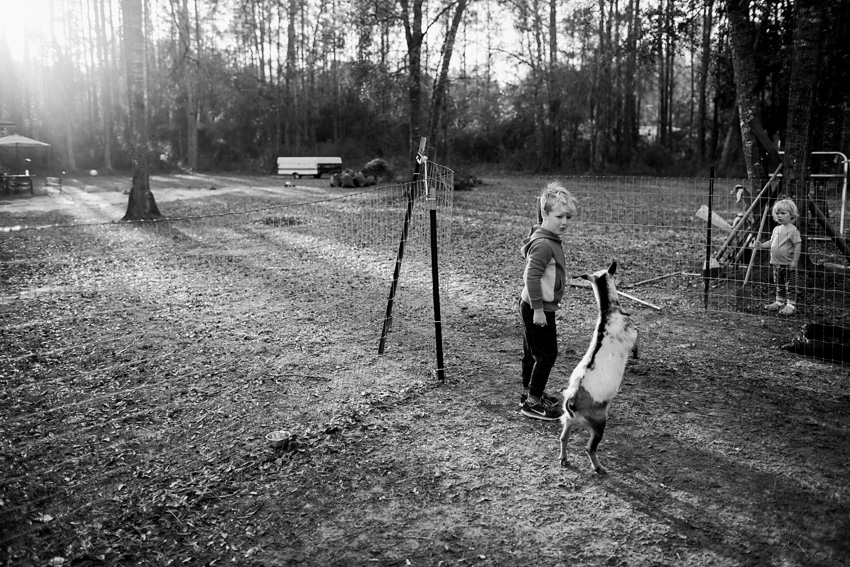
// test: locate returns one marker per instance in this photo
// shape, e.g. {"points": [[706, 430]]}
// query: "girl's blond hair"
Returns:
{"points": [[785, 205]]}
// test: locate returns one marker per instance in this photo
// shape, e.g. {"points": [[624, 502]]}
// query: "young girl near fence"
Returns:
{"points": [[785, 244]]}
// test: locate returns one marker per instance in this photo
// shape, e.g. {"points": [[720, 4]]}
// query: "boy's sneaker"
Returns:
{"points": [[540, 411], [775, 306], [553, 401], [787, 310]]}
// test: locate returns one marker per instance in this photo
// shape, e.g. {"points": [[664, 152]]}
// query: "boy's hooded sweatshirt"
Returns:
{"points": [[545, 273]]}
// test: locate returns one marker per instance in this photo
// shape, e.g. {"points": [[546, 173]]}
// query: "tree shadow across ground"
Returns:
{"points": [[728, 506]]}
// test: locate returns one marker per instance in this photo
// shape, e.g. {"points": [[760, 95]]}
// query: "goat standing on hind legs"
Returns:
{"points": [[596, 379]]}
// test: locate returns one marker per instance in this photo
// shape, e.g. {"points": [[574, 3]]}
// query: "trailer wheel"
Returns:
{"points": [[296, 175]]}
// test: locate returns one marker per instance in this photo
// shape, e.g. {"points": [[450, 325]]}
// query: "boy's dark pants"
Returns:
{"points": [[539, 349]]}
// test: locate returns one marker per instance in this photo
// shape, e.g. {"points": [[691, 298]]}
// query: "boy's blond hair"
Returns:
{"points": [[785, 205], [556, 194]]}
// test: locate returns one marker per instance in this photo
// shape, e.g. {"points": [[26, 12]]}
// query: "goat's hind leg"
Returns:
{"points": [[596, 428], [569, 423]]}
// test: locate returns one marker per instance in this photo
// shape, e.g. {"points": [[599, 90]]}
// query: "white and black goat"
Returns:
{"points": [[596, 379]]}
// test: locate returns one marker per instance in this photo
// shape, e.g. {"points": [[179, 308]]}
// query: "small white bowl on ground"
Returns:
{"points": [[278, 439]]}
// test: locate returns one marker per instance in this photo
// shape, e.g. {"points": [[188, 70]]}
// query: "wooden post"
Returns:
{"points": [[753, 257]]}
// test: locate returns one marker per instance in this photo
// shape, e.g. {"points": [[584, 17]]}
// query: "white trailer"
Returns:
{"points": [[315, 166]]}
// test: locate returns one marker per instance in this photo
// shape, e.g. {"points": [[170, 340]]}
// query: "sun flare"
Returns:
{"points": [[21, 21]]}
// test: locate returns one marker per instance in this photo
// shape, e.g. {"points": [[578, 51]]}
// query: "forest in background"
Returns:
{"points": [[606, 86]]}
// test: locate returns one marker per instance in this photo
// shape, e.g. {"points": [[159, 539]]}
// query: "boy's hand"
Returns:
{"points": [[539, 317]]}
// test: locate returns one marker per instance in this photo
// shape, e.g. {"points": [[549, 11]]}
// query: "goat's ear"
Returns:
{"points": [[583, 276], [612, 269]]}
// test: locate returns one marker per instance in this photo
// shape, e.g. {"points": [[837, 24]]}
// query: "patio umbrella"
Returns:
{"points": [[19, 141]]}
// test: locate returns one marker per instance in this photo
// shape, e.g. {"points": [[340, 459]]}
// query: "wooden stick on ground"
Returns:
{"points": [[655, 279], [641, 301], [755, 250], [582, 283]]}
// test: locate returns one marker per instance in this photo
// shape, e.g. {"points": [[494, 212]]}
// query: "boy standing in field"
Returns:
{"points": [[544, 282], [785, 244]]}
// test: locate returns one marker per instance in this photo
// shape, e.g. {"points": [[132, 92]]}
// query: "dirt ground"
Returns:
{"points": [[721, 449]]}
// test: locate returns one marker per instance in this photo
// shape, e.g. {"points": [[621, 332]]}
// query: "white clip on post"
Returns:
{"points": [[422, 160], [430, 193]]}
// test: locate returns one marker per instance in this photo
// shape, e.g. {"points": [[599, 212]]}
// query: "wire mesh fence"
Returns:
{"points": [[745, 276], [142, 363]]}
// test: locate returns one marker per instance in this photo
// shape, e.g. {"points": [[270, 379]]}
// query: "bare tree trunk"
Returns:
{"points": [[65, 68], [804, 73], [259, 37], [716, 113], [554, 157], [290, 100], [309, 98], [28, 76], [105, 83], [664, 57], [539, 78], [141, 204], [439, 93], [832, 104], [279, 92], [746, 84], [630, 108], [730, 144], [670, 67], [705, 65], [661, 125], [92, 62], [600, 86], [335, 78], [187, 62], [414, 36]]}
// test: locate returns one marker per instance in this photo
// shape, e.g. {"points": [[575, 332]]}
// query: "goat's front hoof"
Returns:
{"points": [[564, 463], [600, 470]]}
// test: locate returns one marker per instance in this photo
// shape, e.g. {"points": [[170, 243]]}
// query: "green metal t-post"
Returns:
{"points": [[431, 200], [706, 272]]}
